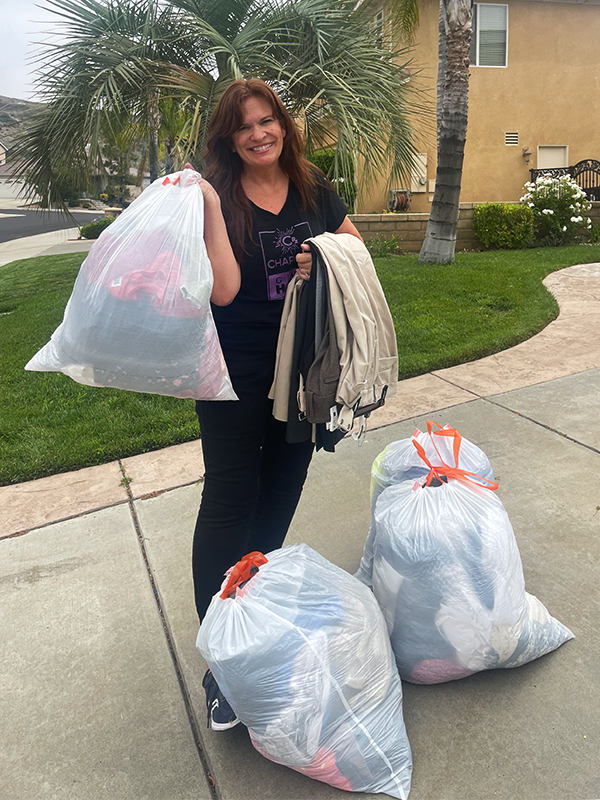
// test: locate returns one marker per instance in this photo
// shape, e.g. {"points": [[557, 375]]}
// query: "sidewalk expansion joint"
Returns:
{"points": [[543, 425], [187, 702], [159, 492], [95, 509], [457, 386], [79, 514]]}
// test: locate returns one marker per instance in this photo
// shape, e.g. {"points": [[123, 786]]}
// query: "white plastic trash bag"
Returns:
{"points": [[301, 652], [139, 316], [448, 577], [400, 461]]}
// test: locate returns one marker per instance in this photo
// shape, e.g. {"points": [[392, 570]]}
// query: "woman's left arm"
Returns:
{"points": [[304, 259], [349, 227]]}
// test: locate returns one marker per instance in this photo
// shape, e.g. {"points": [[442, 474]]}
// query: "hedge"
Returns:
{"points": [[94, 229], [503, 225]]}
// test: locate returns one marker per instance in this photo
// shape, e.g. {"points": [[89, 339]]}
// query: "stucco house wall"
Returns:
{"points": [[547, 94]]}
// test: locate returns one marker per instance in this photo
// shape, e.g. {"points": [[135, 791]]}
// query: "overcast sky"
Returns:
{"points": [[22, 23]]}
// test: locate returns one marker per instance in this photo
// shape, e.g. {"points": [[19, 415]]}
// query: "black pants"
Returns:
{"points": [[252, 485]]}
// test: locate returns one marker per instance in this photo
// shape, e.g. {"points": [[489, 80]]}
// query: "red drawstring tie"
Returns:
{"points": [[452, 472], [242, 572], [168, 180]]}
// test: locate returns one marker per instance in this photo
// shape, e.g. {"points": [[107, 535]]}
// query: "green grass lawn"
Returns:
{"points": [[483, 303], [49, 423]]}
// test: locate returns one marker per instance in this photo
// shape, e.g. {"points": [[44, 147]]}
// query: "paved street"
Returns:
{"points": [[16, 223]]}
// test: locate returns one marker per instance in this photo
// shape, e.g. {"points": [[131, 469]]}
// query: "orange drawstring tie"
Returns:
{"points": [[446, 471], [242, 572], [452, 432]]}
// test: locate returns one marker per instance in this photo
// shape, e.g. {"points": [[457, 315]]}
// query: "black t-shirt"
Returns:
{"points": [[249, 327]]}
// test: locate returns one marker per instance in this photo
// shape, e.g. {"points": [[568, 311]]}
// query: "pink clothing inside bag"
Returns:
{"points": [[323, 767], [434, 670]]}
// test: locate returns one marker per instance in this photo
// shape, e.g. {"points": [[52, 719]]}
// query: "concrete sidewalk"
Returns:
{"points": [[44, 244], [101, 681]]}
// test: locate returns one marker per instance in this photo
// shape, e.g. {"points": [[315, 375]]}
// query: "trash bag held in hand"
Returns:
{"points": [[448, 577], [301, 652], [139, 316], [400, 462]]}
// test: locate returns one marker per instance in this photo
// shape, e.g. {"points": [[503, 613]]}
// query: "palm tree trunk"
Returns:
{"points": [[453, 81], [169, 161], [441, 76], [153, 155], [154, 120]]}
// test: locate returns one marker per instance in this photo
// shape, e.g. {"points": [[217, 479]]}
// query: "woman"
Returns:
{"points": [[262, 200]]}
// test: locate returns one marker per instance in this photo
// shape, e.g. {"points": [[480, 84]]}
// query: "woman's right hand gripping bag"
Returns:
{"points": [[300, 650], [448, 577]]}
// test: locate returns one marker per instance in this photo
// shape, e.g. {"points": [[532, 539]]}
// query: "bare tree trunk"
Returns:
{"points": [[453, 94]]}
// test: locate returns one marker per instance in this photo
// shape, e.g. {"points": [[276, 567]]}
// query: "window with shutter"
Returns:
{"points": [[490, 35]]}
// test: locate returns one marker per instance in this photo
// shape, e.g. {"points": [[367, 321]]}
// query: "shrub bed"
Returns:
{"points": [[94, 229], [346, 188], [503, 225]]}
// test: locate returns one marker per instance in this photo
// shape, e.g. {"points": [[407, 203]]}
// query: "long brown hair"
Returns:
{"points": [[224, 167]]}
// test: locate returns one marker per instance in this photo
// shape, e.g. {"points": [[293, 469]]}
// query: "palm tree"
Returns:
{"points": [[455, 28], [455, 17], [120, 59], [99, 80]]}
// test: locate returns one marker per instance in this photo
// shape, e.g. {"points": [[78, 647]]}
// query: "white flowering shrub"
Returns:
{"points": [[560, 208]]}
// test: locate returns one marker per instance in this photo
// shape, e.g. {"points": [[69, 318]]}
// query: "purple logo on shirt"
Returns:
{"points": [[279, 249]]}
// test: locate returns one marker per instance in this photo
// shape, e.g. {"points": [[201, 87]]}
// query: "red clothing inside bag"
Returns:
{"points": [[144, 266], [161, 280]]}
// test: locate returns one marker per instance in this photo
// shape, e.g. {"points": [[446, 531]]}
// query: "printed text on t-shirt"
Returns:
{"points": [[279, 249]]}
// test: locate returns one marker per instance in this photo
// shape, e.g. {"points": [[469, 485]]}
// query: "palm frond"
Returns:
{"points": [[346, 88], [404, 17], [115, 60]]}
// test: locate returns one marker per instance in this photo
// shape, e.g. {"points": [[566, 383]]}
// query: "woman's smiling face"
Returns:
{"points": [[259, 140]]}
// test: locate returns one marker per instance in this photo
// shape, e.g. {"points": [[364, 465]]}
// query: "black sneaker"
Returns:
{"points": [[219, 714]]}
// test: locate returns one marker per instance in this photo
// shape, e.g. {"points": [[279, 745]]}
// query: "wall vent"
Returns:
{"points": [[511, 138]]}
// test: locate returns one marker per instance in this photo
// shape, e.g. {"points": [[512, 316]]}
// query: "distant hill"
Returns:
{"points": [[13, 112]]}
